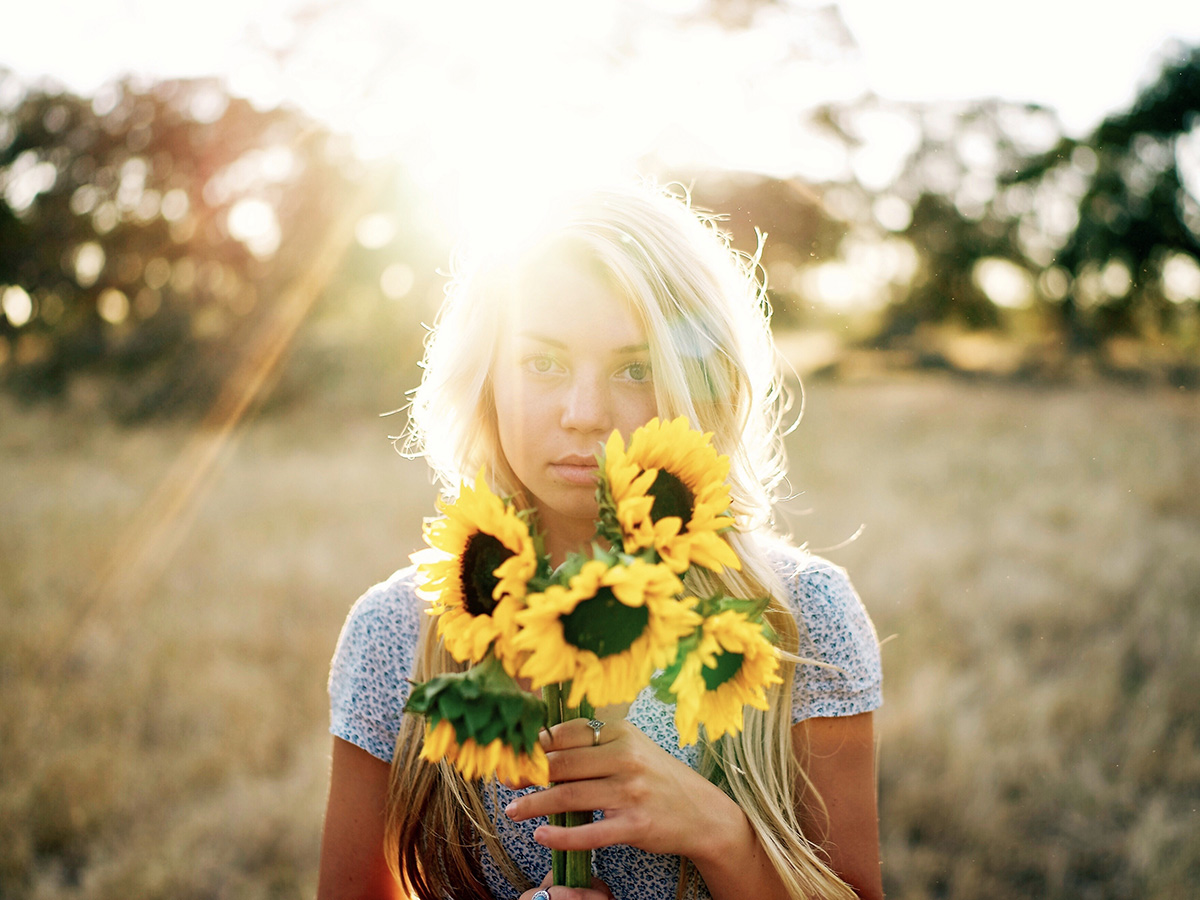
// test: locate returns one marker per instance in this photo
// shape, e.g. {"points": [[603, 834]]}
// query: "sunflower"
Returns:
{"points": [[731, 668], [482, 723], [480, 559], [606, 631], [668, 491]]}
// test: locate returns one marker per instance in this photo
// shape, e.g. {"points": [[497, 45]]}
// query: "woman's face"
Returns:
{"points": [[572, 365]]}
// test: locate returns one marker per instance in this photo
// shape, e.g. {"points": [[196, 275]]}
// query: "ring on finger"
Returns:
{"points": [[595, 725], [541, 895]]}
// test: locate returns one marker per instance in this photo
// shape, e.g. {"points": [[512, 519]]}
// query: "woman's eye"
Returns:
{"points": [[638, 372], [542, 365]]}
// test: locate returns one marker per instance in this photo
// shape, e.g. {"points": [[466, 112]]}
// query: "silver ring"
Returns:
{"points": [[596, 725], [541, 895]]}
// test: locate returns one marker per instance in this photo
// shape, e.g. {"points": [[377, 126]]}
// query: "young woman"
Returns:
{"points": [[627, 305]]}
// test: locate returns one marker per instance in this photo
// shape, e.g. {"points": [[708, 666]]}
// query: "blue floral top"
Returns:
{"points": [[368, 687]]}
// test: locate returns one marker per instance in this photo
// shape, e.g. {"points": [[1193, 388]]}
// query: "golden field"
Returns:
{"points": [[1031, 555]]}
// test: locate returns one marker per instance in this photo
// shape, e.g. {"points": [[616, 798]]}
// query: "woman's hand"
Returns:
{"points": [[650, 799]]}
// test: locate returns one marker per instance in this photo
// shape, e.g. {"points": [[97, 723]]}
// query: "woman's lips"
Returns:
{"points": [[576, 470]]}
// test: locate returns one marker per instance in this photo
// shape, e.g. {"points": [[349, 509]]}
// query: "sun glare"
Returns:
{"points": [[254, 223], [89, 263], [1005, 283], [1181, 278], [494, 108], [16, 305]]}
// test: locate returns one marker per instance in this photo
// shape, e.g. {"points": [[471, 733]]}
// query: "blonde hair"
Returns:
{"points": [[707, 322]]}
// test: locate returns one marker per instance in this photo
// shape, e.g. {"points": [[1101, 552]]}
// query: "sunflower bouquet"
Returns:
{"points": [[597, 629]]}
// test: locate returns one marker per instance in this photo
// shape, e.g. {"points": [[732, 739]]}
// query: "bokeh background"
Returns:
{"points": [[221, 232]]}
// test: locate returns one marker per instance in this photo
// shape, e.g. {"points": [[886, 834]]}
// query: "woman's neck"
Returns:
{"points": [[563, 538]]}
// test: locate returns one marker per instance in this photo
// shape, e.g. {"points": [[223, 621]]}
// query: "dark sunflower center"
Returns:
{"points": [[727, 666], [671, 498], [480, 559], [604, 625]]}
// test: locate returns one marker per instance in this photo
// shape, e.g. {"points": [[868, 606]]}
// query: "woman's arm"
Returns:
{"points": [[353, 866], [839, 756]]}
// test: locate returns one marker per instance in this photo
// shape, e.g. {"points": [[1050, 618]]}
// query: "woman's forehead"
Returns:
{"points": [[561, 299]]}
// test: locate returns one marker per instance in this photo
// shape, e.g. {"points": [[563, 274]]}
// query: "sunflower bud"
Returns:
{"points": [[482, 722]]}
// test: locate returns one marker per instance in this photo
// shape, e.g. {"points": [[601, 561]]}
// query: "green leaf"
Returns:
{"points": [[417, 704], [662, 692], [529, 729], [569, 568], [752, 609], [490, 729], [511, 706], [478, 714], [451, 706]]}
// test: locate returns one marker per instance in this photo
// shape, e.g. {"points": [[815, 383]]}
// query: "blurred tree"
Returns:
{"points": [[1137, 214], [150, 232], [926, 178]]}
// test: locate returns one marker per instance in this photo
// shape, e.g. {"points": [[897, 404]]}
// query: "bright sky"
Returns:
{"points": [[1084, 59], [486, 94], [1067, 54]]}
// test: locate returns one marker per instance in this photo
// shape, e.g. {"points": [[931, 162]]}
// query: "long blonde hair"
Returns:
{"points": [[707, 321]]}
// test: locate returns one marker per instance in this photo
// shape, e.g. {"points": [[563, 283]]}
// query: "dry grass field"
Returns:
{"points": [[1032, 556]]}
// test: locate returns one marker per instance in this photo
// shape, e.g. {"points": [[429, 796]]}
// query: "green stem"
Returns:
{"points": [[552, 697], [576, 865]]}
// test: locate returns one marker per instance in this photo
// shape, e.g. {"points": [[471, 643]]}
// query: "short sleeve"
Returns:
{"points": [[836, 630], [368, 678]]}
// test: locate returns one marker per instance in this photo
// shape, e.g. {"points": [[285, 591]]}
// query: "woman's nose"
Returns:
{"points": [[587, 405]]}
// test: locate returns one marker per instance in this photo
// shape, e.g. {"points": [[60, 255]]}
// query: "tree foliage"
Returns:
{"points": [[1100, 235], [1139, 210], [149, 232]]}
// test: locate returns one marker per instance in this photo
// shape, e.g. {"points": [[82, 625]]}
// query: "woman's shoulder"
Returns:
{"points": [[815, 586], [375, 657], [392, 605], [843, 672]]}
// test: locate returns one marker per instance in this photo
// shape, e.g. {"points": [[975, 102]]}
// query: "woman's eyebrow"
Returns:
{"points": [[542, 339]]}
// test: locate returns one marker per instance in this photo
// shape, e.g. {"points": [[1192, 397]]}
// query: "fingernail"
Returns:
{"points": [[508, 810]]}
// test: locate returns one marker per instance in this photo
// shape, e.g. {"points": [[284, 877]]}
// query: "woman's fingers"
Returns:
{"points": [[576, 733], [649, 798], [598, 891], [601, 833], [584, 762], [605, 776], [566, 797], [573, 755]]}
